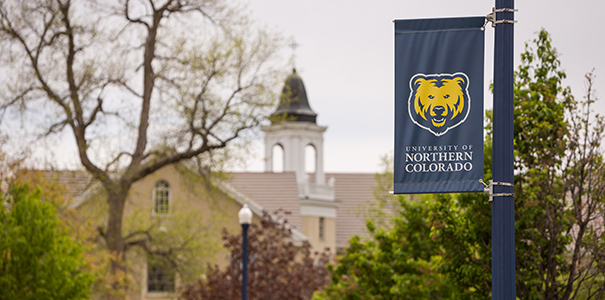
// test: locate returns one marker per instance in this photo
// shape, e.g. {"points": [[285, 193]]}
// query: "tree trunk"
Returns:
{"points": [[116, 199]]}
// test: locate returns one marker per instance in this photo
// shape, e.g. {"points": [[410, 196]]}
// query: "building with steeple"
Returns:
{"points": [[299, 131], [325, 209], [328, 207]]}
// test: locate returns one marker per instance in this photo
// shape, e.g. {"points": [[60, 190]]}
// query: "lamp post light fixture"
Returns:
{"points": [[245, 218]]}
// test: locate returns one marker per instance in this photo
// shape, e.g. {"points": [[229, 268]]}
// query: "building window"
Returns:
{"points": [[161, 197], [160, 276], [277, 159], [321, 227], [310, 159]]}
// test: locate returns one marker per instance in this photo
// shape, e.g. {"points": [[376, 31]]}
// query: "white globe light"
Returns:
{"points": [[245, 215]]}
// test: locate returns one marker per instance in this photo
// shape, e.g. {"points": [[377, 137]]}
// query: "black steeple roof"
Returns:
{"points": [[293, 101]]}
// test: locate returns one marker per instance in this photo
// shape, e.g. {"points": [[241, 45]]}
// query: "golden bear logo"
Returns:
{"points": [[439, 102]]}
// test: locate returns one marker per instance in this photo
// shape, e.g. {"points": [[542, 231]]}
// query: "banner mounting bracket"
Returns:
{"points": [[489, 189], [491, 17]]}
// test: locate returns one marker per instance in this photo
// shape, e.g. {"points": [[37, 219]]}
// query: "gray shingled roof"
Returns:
{"points": [[279, 190], [272, 191], [352, 192], [77, 182]]}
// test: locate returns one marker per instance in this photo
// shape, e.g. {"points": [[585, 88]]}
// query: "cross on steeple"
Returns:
{"points": [[293, 45]]}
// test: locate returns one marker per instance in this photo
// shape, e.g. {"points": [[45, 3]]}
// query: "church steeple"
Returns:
{"points": [[294, 103], [296, 132]]}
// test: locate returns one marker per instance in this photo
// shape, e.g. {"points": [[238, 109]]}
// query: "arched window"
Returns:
{"points": [[310, 159], [277, 159], [161, 197]]}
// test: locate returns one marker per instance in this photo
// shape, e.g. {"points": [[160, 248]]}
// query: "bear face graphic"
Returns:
{"points": [[439, 102]]}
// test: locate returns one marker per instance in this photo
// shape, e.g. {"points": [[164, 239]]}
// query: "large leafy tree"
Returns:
{"points": [[139, 85], [38, 260], [541, 139], [560, 190], [559, 205]]}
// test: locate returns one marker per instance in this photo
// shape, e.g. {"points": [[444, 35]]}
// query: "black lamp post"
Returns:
{"points": [[245, 218]]}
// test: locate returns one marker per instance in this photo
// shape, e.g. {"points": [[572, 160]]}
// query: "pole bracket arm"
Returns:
{"points": [[489, 189], [491, 17]]}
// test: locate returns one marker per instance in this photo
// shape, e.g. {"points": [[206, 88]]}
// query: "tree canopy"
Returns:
{"points": [[38, 260]]}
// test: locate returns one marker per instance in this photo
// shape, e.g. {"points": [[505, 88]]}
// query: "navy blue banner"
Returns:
{"points": [[439, 105]]}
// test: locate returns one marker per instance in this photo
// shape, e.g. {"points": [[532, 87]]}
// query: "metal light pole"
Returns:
{"points": [[503, 206], [245, 218]]}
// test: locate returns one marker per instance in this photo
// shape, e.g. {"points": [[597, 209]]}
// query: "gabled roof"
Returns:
{"points": [[272, 191], [353, 191], [77, 182]]}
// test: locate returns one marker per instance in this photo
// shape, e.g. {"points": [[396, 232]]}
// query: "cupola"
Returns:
{"points": [[293, 101]]}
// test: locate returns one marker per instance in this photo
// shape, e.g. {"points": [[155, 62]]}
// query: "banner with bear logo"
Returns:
{"points": [[439, 105]]}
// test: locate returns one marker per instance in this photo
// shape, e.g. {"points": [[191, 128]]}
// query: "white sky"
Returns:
{"points": [[346, 60]]}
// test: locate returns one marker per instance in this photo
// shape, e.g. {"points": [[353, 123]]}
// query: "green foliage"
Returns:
{"points": [[540, 106], [550, 219], [182, 239], [401, 262], [461, 225], [37, 258]]}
